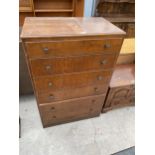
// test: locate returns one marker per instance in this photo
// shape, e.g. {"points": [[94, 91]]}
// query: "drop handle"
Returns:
{"points": [[54, 116], [100, 78], [91, 109], [45, 49], [50, 84], [93, 101], [48, 67], [103, 62], [96, 89], [52, 108], [107, 45], [51, 97]]}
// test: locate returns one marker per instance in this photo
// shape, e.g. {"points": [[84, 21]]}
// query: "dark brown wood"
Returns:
{"points": [[73, 109], [72, 48], [70, 61], [121, 90], [41, 67], [74, 80], [119, 12], [65, 94]]}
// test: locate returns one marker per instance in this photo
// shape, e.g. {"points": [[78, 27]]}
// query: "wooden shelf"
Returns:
{"points": [[53, 5], [25, 9], [55, 10]]}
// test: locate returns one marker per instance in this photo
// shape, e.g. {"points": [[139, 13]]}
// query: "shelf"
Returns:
{"points": [[25, 9], [54, 10], [53, 6]]}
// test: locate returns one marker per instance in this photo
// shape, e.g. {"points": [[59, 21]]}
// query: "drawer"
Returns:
{"points": [[132, 91], [68, 48], [58, 95], [56, 112], [40, 67], [120, 92], [122, 101], [67, 81]]}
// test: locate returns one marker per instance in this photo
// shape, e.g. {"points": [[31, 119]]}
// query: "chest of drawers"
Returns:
{"points": [[70, 61]]}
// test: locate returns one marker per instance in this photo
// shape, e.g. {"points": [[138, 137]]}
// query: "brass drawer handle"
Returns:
{"points": [[52, 108], [48, 67], [51, 97], [50, 84], [54, 116], [96, 89], [107, 45], [103, 62], [93, 101], [100, 78], [91, 109], [45, 49]]}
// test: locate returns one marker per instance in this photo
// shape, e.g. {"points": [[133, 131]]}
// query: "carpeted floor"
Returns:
{"points": [[104, 135]]}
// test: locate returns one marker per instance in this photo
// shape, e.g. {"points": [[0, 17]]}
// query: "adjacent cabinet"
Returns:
{"points": [[71, 61], [50, 8]]}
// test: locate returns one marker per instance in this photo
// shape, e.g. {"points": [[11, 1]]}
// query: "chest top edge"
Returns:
{"points": [[56, 27]]}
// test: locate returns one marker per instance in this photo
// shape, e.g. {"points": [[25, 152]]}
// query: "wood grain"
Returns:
{"points": [[45, 67], [65, 94], [122, 88], [70, 61], [61, 26], [71, 109], [67, 81]]}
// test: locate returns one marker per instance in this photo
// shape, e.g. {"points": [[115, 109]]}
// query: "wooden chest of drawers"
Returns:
{"points": [[70, 61], [122, 88]]}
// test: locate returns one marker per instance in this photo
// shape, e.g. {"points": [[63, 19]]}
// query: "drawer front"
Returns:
{"points": [[40, 67], [68, 48], [120, 92], [119, 95], [65, 110], [132, 91], [58, 95], [122, 101], [67, 81]]}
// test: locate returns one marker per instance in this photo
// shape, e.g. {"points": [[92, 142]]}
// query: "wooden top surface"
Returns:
{"points": [[123, 75], [41, 27]]}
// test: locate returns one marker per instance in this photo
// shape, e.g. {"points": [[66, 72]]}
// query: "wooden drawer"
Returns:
{"points": [[58, 95], [72, 48], [119, 93], [67, 81], [122, 101], [132, 91], [40, 67], [58, 112]]}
